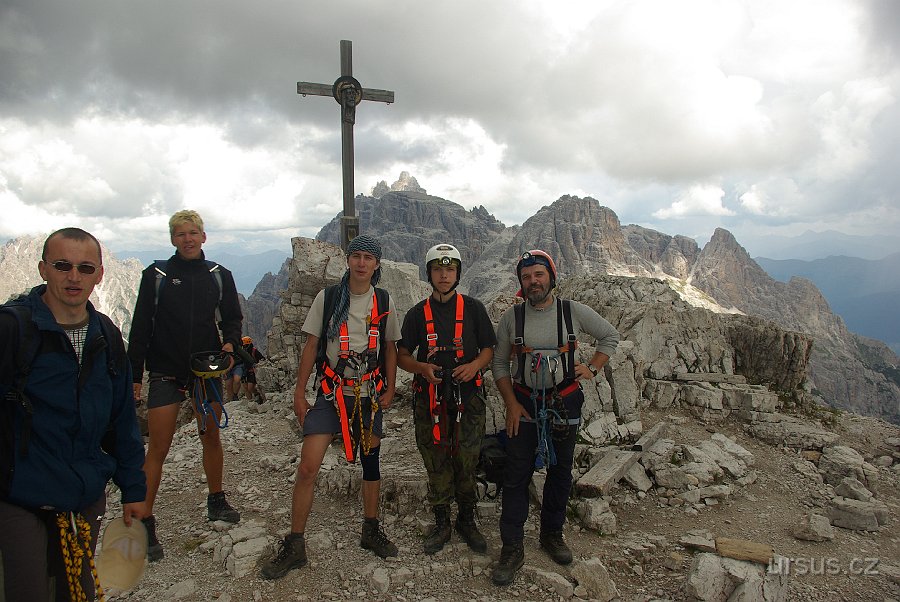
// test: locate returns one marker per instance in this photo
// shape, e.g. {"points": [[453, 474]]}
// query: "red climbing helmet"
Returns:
{"points": [[536, 257]]}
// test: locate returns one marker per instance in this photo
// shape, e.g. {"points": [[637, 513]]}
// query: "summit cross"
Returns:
{"points": [[348, 92]]}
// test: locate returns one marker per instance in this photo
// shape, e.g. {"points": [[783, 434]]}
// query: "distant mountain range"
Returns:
{"points": [[810, 246], [865, 293], [848, 371]]}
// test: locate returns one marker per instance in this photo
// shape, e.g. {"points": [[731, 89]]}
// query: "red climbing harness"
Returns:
{"points": [[437, 404], [367, 370]]}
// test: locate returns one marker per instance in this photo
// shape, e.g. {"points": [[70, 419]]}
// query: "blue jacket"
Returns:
{"points": [[74, 408]]}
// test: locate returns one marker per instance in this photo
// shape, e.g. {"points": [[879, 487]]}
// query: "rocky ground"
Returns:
{"points": [[646, 557]]}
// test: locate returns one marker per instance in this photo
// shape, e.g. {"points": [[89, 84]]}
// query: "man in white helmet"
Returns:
{"points": [[453, 340]]}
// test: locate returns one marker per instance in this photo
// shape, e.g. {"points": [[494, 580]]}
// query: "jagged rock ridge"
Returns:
{"points": [[848, 371], [114, 296]]}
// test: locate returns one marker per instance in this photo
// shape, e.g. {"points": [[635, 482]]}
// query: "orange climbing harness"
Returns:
{"points": [[366, 370], [437, 403]]}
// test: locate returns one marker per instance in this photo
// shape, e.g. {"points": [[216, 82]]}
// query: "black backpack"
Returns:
{"points": [[161, 266], [29, 345], [492, 463]]}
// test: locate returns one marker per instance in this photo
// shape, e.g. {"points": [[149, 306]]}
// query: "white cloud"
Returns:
{"points": [[773, 197], [699, 199], [712, 112]]}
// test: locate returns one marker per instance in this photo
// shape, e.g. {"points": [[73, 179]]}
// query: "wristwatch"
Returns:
{"points": [[593, 369]]}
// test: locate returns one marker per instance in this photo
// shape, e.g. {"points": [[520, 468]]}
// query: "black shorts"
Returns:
{"points": [[323, 418], [165, 391]]}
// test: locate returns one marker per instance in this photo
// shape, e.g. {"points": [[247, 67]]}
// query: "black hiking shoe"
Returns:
{"points": [[154, 548], [512, 557], [218, 508], [291, 554], [440, 535], [468, 529], [373, 538], [555, 546]]}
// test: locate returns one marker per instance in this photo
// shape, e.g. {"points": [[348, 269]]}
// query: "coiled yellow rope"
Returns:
{"points": [[72, 528]]}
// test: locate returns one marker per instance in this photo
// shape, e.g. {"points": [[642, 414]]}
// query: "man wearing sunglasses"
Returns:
{"points": [[67, 425], [543, 400], [180, 309]]}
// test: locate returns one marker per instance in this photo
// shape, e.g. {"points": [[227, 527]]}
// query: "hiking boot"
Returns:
{"points": [[291, 554], [512, 557], [373, 538], [468, 529], [555, 546], [440, 535], [218, 508], [154, 548]]}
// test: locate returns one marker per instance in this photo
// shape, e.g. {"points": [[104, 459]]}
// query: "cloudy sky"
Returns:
{"points": [[761, 116]]}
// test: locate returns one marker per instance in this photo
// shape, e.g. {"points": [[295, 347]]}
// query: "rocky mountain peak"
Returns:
{"points": [[579, 233], [405, 182], [672, 255], [114, 296], [408, 223]]}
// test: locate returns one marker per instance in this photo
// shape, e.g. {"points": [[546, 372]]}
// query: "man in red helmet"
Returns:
{"points": [[543, 398]]}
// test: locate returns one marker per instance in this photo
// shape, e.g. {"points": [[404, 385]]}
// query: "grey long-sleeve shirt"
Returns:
{"points": [[541, 334]]}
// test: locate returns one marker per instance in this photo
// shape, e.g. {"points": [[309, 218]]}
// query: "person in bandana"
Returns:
{"points": [[357, 373]]}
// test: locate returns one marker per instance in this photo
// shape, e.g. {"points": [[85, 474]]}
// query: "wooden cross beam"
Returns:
{"points": [[348, 92]]}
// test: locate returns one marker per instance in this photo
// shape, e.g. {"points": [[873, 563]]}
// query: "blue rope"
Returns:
{"points": [[544, 416], [204, 405]]}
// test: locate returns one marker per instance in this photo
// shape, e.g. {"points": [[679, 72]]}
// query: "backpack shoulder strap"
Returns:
{"points": [[216, 273], [115, 360], [29, 342], [383, 298], [566, 315], [519, 340], [161, 266], [331, 293]]}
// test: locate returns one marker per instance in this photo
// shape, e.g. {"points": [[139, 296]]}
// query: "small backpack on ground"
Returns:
{"points": [[492, 464]]}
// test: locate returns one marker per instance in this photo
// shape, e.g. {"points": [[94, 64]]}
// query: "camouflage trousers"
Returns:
{"points": [[451, 476]]}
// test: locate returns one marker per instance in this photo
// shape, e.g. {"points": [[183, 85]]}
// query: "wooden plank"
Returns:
{"points": [[378, 95], [742, 549], [606, 473], [711, 377], [305, 88], [650, 437]]}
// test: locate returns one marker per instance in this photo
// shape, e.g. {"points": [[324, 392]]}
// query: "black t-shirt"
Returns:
{"points": [[478, 333]]}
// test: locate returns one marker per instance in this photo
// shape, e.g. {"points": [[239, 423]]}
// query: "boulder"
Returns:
{"points": [[595, 515], [713, 578], [857, 515], [593, 576], [814, 527], [840, 461]]}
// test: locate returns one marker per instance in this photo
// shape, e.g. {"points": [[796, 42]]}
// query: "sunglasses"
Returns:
{"points": [[66, 266]]}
